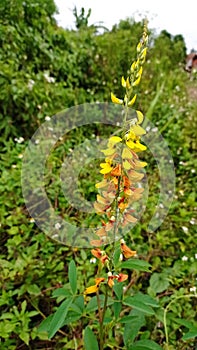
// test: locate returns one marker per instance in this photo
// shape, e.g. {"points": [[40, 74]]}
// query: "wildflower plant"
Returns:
{"points": [[104, 304]]}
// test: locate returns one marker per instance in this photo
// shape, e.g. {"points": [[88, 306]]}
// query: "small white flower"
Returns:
{"points": [[185, 229], [57, 226], [121, 257], [19, 140], [184, 258], [195, 256], [193, 289], [48, 78], [14, 166], [92, 260], [31, 220], [20, 156], [30, 84], [192, 221], [37, 142], [155, 129], [193, 171], [47, 118]]}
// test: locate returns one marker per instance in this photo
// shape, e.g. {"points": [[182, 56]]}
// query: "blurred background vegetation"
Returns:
{"points": [[45, 69]]}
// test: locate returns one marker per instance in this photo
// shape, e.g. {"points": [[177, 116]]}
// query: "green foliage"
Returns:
{"points": [[45, 69]]}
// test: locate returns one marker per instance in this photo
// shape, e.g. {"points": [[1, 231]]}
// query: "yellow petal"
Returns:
{"points": [[137, 81], [138, 130], [132, 101], [106, 168], [101, 199], [108, 151], [139, 164], [140, 147], [91, 289], [116, 99], [140, 72], [123, 82], [128, 85], [101, 184], [126, 165], [114, 139], [133, 66], [126, 154], [130, 144], [140, 117]]}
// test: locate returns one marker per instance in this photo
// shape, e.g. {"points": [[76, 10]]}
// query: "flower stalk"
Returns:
{"points": [[119, 188]]}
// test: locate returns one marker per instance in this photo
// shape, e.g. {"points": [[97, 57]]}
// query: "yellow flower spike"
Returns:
{"points": [[131, 103], [116, 99], [137, 81], [123, 82], [140, 117]]}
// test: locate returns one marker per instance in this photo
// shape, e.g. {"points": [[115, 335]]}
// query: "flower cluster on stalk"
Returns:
{"points": [[121, 171]]}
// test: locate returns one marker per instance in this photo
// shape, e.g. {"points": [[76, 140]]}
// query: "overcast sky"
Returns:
{"points": [[176, 16]]}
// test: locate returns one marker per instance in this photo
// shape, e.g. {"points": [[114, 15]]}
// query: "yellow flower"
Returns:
{"points": [[94, 288], [123, 82], [137, 81], [138, 130], [140, 117], [131, 103], [106, 168], [116, 99], [113, 140], [91, 289]]}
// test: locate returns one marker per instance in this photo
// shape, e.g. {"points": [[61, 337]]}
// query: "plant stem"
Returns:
{"points": [[102, 335]]}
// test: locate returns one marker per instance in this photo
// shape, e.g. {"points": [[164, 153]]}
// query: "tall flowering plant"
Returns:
{"points": [[103, 307], [119, 188]]}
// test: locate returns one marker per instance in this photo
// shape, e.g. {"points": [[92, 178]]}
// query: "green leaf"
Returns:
{"points": [[24, 336], [33, 289], [146, 299], [159, 282], [118, 289], [61, 292], [44, 325], [59, 317], [136, 304], [117, 306], [116, 256], [189, 335], [128, 319], [136, 264], [137, 321], [90, 340], [72, 275], [145, 345]]}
